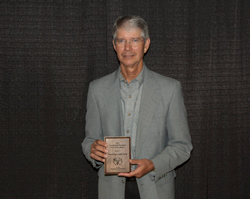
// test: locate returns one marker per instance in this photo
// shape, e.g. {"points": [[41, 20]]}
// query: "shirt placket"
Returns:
{"points": [[130, 103]]}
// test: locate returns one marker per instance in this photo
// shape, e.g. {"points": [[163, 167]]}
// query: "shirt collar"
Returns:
{"points": [[139, 78]]}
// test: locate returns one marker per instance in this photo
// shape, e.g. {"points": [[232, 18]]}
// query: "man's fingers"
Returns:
{"points": [[143, 167], [101, 143], [98, 150], [131, 174], [99, 153], [92, 155], [136, 173]]}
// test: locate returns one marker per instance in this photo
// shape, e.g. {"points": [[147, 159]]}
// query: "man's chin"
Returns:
{"points": [[128, 64]]}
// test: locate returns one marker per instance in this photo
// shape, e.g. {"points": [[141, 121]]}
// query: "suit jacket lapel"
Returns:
{"points": [[113, 104], [149, 102]]}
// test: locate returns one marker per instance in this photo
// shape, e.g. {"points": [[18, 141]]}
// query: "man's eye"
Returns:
{"points": [[135, 40], [120, 41]]}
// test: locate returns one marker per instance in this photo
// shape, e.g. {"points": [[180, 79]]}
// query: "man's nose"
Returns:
{"points": [[128, 45]]}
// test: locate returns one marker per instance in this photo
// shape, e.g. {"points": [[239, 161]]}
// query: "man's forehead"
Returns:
{"points": [[128, 31]]}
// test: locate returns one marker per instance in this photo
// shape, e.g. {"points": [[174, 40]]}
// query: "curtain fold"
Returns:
{"points": [[51, 50]]}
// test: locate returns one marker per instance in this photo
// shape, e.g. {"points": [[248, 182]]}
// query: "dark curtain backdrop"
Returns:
{"points": [[49, 52]]}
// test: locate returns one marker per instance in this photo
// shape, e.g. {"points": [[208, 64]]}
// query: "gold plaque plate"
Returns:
{"points": [[118, 155]]}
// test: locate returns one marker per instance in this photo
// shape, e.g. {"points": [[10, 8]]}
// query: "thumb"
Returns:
{"points": [[133, 161]]}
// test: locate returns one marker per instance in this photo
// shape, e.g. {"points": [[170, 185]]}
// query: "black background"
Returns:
{"points": [[51, 50]]}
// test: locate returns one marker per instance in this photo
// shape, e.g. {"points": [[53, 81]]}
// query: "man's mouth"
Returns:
{"points": [[128, 56]]}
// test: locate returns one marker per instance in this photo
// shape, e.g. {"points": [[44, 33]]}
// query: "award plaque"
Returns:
{"points": [[118, 155]]}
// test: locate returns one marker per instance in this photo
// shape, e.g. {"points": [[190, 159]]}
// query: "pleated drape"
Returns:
{"points": [[49, 52]]}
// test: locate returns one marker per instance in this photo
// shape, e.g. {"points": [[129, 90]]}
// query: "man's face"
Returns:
{"points": [[128, 54]]}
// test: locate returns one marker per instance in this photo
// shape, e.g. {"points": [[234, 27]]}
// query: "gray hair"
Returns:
{"points": [[131, 21]]}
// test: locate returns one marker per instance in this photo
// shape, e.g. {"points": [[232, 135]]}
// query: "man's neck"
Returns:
{"points": [[130, 73]]}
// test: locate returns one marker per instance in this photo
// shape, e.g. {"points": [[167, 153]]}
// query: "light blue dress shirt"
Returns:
{"points": [[131, 100]]}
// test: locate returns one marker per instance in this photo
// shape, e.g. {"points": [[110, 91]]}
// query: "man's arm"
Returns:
{"points": [[93, 147], [179, 145]]}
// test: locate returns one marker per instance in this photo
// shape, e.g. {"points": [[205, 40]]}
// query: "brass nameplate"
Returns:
{"points": [[118, 155]]}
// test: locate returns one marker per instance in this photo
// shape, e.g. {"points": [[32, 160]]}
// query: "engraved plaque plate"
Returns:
{"points": [[118, 155]]}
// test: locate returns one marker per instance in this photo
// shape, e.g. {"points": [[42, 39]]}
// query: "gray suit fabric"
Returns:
{"points": [[162, 134]]}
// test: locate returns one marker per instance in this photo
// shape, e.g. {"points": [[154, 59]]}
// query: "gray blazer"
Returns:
{"points": [[162, 133]]}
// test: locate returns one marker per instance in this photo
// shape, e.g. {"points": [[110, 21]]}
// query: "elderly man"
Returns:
{"points": [[149, 108]]}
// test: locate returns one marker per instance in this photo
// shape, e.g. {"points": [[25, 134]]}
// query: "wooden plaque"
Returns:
{"points": [[118, 155]]}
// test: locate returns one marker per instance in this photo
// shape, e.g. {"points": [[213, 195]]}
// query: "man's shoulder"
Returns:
{"points": [[161, 79], [105, 80]]}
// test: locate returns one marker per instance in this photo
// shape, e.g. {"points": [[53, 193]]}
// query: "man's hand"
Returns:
{"points": [[144, 166], [98, 150]]}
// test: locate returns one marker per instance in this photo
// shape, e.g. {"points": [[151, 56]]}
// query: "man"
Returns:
{"points": [[137, 102]]}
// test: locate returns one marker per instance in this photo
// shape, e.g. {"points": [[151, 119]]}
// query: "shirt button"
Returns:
{"points": [[129, 114], [127, 131], [130, 96]]}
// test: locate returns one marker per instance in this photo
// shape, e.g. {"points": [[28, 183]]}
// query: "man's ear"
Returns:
{"points": [[114, 45], [146, 45]]}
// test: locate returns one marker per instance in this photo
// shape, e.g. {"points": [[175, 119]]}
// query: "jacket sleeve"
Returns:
{"points": [[93, 130], [179, 146]]}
